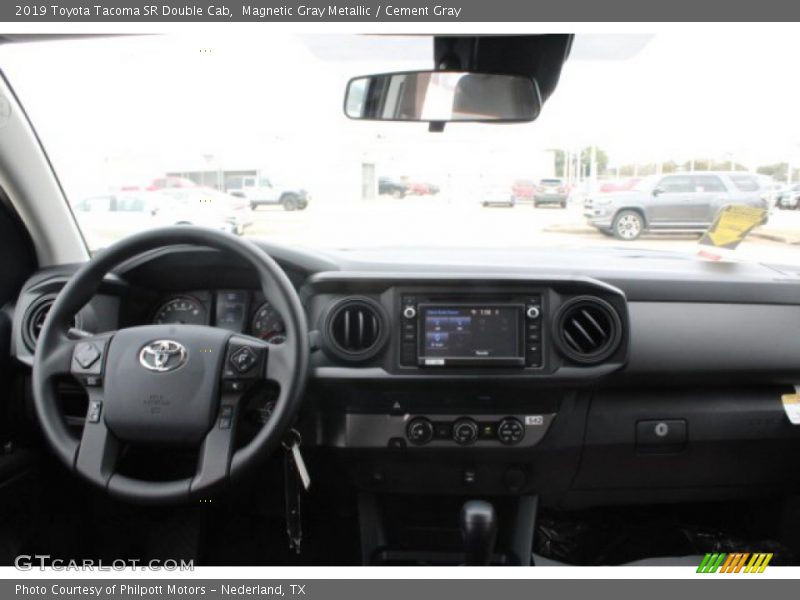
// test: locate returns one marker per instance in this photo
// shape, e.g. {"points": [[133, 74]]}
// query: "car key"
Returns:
{"points": [[297, 481], [300, 465], [292, 445]]}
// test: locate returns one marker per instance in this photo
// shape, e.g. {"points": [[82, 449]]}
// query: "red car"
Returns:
{"points": [[421, 188], [523, 189]]}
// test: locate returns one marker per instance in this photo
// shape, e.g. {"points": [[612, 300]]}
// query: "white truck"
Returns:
{"points": [[260, 191]]}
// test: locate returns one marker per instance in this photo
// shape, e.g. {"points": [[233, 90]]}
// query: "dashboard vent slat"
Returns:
{"points": [[588, 330], [356, 328], [576, 326]]}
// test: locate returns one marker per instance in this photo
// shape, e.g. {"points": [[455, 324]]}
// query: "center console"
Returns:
{"points": [[445, 385]]}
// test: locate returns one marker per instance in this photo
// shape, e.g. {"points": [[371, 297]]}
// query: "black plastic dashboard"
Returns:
{"points": [[686, 364]]}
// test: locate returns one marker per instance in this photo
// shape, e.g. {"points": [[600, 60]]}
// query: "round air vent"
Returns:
{"points": [[356, 328], [588, 329], [34, 320]]}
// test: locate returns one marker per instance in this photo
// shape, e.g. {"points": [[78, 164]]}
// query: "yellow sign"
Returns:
{"points": [[732, 225]]}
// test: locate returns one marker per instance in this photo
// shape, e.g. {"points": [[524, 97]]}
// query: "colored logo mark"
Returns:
{"points": [[735, 562]]}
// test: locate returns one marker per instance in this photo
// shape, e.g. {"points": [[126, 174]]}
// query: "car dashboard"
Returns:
{"points": [[584, 380]]}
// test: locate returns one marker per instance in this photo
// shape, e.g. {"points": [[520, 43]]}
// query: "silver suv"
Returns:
{"points": [[675, 202]]}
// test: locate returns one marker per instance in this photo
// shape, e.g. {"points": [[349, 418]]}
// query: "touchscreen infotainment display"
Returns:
{"points": [[470, 334]]}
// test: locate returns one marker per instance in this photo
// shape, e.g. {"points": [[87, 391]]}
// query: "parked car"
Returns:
{"points": [[390, 187], [208, 205], [677, 202], [421, 188], [497, 195], [551, 191], [131, 212], [523, 190], [161, 183], [789, 198], [262, 191]]}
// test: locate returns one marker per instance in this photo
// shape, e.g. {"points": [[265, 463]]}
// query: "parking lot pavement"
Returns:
{"points": [[439, 221], [783, 226]]}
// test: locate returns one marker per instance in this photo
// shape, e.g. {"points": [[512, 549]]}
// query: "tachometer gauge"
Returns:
{"points": [[183, 310], [268, 325]]}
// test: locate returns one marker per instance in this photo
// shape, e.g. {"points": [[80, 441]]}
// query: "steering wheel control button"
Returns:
{"points": [[243, 359], [86, 354], [510, 431], [235, 385], [92, 381], [465, 432], [662, 435], [95, 408], [419, 431]]}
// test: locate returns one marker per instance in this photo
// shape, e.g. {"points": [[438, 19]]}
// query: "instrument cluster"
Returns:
{"points": [[240, 311]]}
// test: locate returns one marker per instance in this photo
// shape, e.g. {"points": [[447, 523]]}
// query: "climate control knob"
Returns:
{"points": [[465, 432], [419, 431], [510, 431]]}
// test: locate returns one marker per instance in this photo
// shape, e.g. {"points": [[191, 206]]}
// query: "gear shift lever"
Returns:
{"points": [[479, 530]]}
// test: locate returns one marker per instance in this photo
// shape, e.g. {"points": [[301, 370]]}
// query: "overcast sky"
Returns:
{"points": [[640, 97]]}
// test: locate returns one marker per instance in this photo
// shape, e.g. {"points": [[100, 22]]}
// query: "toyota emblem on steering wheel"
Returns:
{"points": [[163, 356]]}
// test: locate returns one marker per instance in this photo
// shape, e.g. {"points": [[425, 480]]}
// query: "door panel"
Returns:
{"points": [[669, 205], [709, 194]]}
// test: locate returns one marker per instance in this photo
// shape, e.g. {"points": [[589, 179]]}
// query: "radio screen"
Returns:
{"points": [[470, 334]]}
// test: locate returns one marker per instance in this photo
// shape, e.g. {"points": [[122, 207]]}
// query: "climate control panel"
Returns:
{"points": [[466, 431], [445, 430]]}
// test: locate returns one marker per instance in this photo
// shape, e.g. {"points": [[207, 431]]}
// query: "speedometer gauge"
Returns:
{"points": [[268, 325], [183, 310]]}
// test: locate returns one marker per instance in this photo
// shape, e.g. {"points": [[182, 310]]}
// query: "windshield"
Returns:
{"points": [[249, 135]]}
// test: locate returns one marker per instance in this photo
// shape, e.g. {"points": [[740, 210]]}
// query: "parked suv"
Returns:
{"points": [[551, 191], [260, 191], [676, 202]]}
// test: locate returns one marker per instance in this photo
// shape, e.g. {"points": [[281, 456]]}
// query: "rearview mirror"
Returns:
{"points": [[657, 191], [442, 96]]}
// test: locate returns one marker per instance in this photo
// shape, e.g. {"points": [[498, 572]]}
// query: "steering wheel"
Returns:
{"points": [[162, 385]]}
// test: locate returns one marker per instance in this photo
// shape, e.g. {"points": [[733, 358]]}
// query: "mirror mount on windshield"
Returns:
{"points": [[440, 97]]}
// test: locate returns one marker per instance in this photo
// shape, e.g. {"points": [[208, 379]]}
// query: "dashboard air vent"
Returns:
{"points": [[588, 329], [34, 320], [356, 328]]}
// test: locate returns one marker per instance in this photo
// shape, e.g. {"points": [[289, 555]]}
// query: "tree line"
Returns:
{"points": [[777, 171]]}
